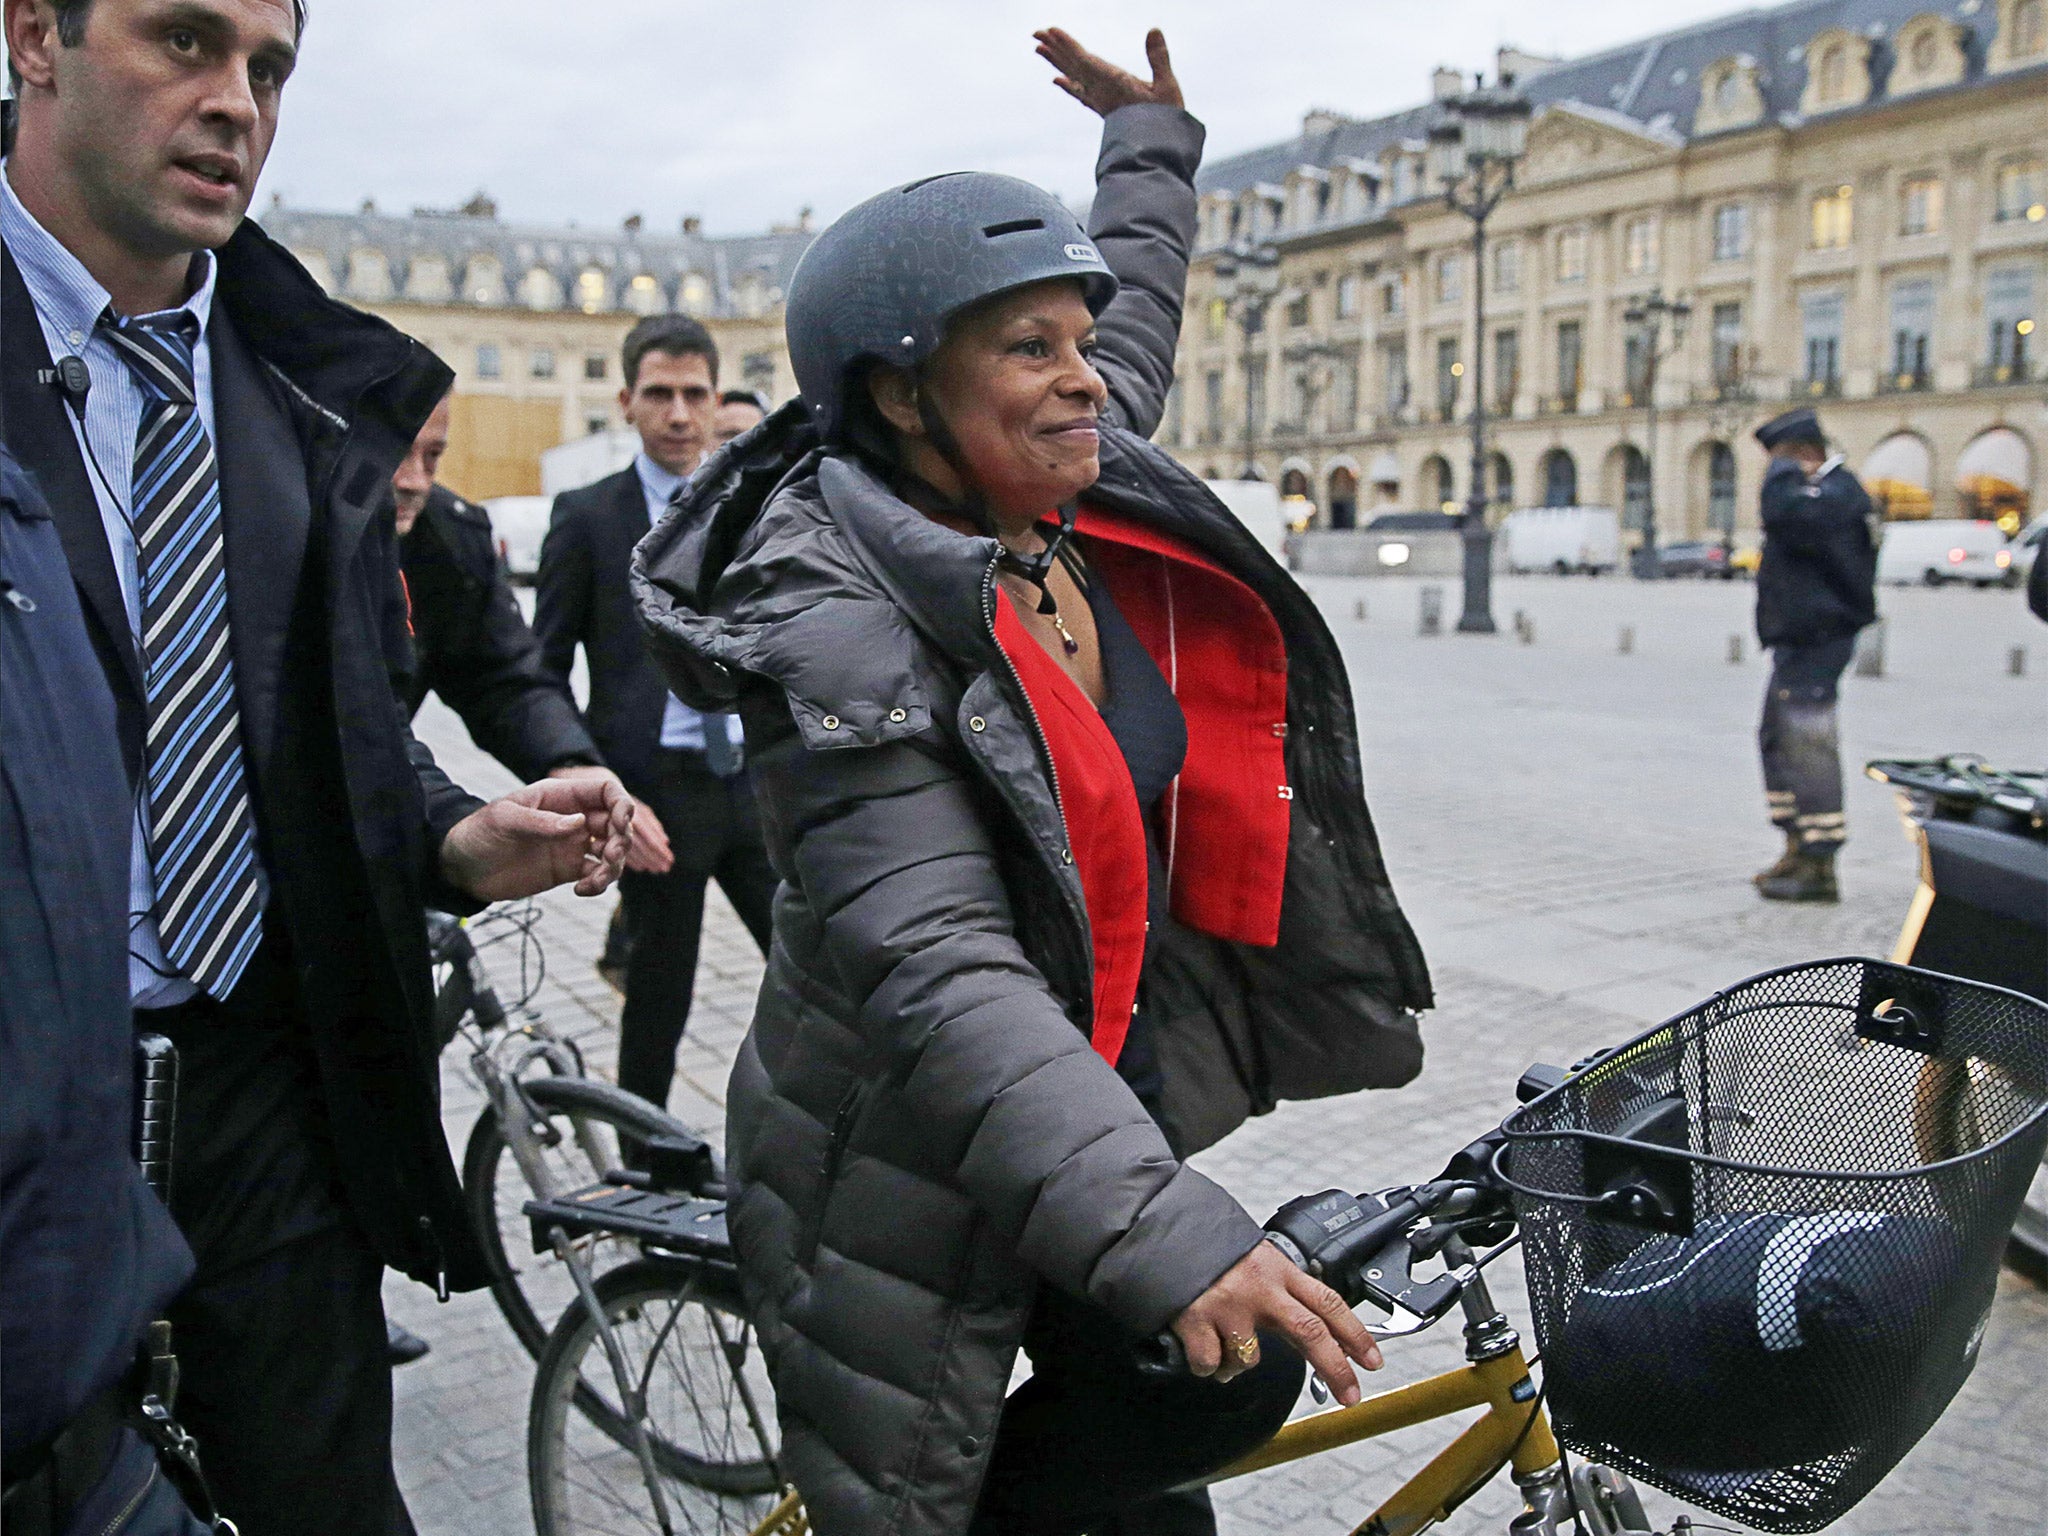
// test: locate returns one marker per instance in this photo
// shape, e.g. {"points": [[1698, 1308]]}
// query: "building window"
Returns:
{"points": [[1397, 374], [1920, 206], [540, 362], [1639, 247], [1635, 487], [1635, 368], [1448, 372], [1344, 396], [1347, 296], [1727, 344], [1297, 311], [592, 425], [590, 291], [1507, 266], [1212, 405], [2009, 308], [1219, 318], [1834, 218], [1507, 369], [1721, 487], [2018, 186], [596, 365], [1820, 324], [1560, 479], [643, 294], [489, 364], [1833, 74], [1394, 294], [1912, 327], [1571, 256], [1450, 278], [1731, 232], [1571, 363]]}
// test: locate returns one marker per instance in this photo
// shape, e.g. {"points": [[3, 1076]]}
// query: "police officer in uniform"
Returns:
{"points": [[1815, 588]]}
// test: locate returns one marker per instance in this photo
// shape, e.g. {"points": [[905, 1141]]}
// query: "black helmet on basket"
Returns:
{"points": [[881, 284]]}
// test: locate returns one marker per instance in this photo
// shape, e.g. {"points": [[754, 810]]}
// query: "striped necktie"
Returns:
{"points": [[202, 838]]}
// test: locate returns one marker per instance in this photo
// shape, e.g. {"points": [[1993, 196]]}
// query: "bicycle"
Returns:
{"points": [[1663, 1155], [564, 1130]]}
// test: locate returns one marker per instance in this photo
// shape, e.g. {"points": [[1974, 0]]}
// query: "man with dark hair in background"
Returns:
{"points": [[687, 770], [1815, 588], [739, 411], [215, 449]]}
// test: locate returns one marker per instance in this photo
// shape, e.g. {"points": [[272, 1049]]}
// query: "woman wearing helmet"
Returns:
{"points": [[1060, 774]]}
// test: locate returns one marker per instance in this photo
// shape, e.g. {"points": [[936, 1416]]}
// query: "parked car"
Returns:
{"points": [[519, 523], [1695, 557], [1566, 540], [1937, 553]]}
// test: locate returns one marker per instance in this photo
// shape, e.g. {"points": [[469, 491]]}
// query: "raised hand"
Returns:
{"points": [[1101, 86]]}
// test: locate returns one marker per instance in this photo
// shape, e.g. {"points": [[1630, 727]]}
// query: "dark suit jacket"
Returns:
{"points": [[584, 596], [87, 1253], [315, 405], [470, 644]]}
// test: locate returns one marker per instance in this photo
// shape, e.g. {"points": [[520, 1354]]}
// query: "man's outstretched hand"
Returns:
{"points": [[542, 836], [1100, 85]]}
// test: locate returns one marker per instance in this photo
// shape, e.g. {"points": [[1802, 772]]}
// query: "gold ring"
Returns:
{"points": [[1247, 1349]]}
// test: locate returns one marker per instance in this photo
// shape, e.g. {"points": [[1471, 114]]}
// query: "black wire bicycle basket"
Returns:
{"points": [[1763, 1238]]}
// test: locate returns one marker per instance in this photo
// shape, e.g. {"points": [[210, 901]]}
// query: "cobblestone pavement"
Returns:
{"points": [[1571, 828]]}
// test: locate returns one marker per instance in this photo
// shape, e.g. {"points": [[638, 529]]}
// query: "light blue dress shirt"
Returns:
{"points": [[69, 302], [681, 726]]}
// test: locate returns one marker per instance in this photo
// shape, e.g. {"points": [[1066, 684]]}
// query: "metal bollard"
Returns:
{"points": [[1870, 650], [1735, 650], [2016, 661], [1626, 642], [1429, 619], [1358, 613], [1525, 627]]}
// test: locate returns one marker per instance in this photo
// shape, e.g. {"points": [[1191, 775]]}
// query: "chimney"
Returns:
{"points": [[632, 225], [1319, 121], [803, 220], [1512, 63], [692, 224], [1445, 82]]}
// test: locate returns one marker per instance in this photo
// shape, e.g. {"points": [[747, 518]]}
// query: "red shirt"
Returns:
{"points": [[1224, 837]]}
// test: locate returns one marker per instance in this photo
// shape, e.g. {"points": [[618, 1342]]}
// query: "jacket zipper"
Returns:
{"points": [[828, 1169]]}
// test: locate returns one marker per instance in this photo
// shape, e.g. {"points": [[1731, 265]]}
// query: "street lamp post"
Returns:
{"points": [[1247, 278], [1646, 317], [1472, 152]]}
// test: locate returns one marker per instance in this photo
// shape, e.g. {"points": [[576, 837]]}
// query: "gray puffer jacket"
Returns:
{"points": [[919, 1133]]}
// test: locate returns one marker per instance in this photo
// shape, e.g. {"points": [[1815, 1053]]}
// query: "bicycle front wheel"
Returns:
{"points": [[574, 1145], [710, 1414]]}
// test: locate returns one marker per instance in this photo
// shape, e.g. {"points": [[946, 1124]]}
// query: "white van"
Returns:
{"points": [[1567, 540], [1942, 551], [1257, 506], [518, 524]]}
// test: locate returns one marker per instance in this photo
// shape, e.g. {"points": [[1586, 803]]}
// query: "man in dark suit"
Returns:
{"points": [[215, 438], [1815, 588], [88, 1255], [686, 770]]}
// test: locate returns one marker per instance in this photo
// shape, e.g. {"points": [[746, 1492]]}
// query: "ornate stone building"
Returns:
{"points": [[530, 317], [1848, 193]]}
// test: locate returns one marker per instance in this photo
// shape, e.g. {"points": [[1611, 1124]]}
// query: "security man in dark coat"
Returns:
{"points": [[1815, 588], [469, 641], [215, 438], [88, 1255]]}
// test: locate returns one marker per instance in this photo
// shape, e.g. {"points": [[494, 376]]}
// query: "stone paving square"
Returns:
{"points": [[1572, 831]]}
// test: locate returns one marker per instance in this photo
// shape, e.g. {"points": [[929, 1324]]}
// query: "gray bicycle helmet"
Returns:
{"points": [[881, 284]]}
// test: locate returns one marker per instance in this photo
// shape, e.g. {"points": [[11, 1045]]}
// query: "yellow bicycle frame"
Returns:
{"points": [[1514, 1429]]}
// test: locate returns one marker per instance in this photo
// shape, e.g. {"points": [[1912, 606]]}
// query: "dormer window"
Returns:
{"points": [[1837, 71], [1833, 75]]}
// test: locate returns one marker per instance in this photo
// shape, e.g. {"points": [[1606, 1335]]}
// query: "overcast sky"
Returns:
{"points": [[746, 110]]}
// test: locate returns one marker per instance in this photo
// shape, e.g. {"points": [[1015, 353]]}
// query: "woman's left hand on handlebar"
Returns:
{"points": [[1101, 86], [1263, 1290]]}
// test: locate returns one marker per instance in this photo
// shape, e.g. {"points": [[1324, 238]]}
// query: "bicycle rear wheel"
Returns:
{"points": [[582, 1116], [709, 1410]]}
